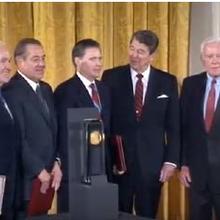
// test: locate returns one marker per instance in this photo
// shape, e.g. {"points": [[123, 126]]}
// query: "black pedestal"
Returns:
{"points": [[97, 201], [121, 216], [91, 197]]}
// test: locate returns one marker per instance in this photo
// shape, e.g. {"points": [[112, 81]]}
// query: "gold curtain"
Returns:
{"points": [[59, 25]]}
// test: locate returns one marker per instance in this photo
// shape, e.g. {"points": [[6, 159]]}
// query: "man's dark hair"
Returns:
{"points": [[147, 37], [20, 49], [80, 47]]}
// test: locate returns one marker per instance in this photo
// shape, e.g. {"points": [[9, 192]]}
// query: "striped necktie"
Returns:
{"points": [[138, 97], [210, 106], [95, 97]]}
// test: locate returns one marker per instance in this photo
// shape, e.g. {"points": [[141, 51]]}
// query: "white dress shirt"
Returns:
{"points": [[32, 84], [86, 83], [145, 80]]}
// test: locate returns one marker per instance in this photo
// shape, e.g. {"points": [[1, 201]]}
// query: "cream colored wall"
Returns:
{"points": [[204, 22]]}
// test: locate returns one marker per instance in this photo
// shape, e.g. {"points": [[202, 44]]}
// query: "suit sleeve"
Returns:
{"points": [[184, 99], [61, 115], [31, 163], [172, 124]]}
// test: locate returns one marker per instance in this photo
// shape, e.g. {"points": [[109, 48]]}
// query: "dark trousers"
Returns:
{"points": [[202, 204], [8, 215], [63, 197], [21, 212], [138, 195]]}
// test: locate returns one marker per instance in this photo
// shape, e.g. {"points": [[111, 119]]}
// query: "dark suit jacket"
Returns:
{"points": [[200, 151], [38, 130], [9, 140], [155, 138], [73, 94]]}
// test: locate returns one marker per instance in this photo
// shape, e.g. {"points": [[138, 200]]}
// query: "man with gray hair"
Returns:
{"points": [[200, 134], [9, 140], [32, 102]]}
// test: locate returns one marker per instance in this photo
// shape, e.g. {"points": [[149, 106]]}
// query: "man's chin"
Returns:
{"points": [[135, 67], [215, 74], [40, 76], [5, 81]]}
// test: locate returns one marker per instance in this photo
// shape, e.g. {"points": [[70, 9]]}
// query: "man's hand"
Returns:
{"points": [[184, 176], [166, 172], [117, 172], [44, 177], [56, 175]]}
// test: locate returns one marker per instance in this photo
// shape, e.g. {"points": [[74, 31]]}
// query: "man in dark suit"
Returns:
{"points": [[145, 113], [9, 140], [200, 134], [32, 102], [78, 93]]}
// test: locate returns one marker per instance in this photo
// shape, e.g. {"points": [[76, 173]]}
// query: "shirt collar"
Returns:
{"points": [[84, 80], [29, 81], [145, 74]]}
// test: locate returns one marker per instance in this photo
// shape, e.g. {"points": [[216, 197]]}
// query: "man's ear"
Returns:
{"points": [[201, 58], [77, 61], [19, 60], [152, 57]]}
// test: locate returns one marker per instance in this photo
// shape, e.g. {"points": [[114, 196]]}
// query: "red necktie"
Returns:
{"points": [[95, 97], [139, 96], [210, 106]]}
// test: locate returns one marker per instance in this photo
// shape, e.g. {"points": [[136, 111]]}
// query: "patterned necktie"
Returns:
{"points": [[95, 97], [139, 96], [42, 100], [210, 106]]}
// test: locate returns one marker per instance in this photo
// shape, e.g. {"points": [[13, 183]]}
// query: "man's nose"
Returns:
{"points": [[42, 63]]}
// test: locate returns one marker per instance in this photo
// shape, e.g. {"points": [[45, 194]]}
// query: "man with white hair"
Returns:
{"points": [[201, 134], [8, 139]]}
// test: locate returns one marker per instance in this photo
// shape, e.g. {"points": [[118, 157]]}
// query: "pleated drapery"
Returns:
{"points": [[59, 25]]}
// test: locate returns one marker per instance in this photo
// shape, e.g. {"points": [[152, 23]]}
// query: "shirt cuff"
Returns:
{"points": [[58, 161], [172, 164]]}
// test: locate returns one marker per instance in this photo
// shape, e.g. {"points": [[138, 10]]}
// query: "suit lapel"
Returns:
{"points": [[199, 98], [152, 87], [5, 112], [103, 97], [101, 93], [127, 90], [216, 119], [47, 96], [32, 97], [84, 97]]}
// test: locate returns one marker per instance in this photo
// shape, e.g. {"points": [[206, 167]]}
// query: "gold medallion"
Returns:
{"points": [[95, 137]]}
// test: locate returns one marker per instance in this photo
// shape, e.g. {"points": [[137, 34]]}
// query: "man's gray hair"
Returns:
{"points": [[208, 41]]}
